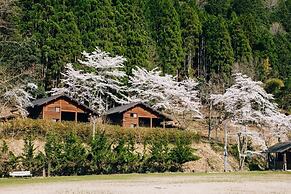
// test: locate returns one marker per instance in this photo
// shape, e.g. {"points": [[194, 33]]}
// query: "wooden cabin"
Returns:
{"points": [[279, 156], [60, 108], [137, 114]]}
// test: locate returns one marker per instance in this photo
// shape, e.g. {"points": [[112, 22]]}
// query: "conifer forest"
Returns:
{"points": [[208, 40]]}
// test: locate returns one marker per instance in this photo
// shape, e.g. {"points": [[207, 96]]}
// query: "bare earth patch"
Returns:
{"points": [[162, 184]]}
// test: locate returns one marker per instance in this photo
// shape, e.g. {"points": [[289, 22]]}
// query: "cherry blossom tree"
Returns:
{"points": [[21, 97], [165, 93], [247, 103], [98, 84]]}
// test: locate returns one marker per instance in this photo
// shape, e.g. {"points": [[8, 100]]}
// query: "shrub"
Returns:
{"points": [[100, 153], [182, 152], [18, 128], [53, 154], [159, 159], [73, 155], [70, 149], [125, 158], [27, 158]]}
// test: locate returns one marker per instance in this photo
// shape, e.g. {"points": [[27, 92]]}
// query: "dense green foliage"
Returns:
{"points": [[40, 128], [68, 154], [180, 37]]}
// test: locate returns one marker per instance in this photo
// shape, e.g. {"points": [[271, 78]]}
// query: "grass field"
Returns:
{"points": [[168, 183]]}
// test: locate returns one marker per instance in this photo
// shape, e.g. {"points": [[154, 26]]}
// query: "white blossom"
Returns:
{"points": [[164, 92], [246, 102], [98, 86], [21, 97]]}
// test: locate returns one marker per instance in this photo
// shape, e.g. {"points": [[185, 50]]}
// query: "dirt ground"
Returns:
{"points": [[161, 184]]}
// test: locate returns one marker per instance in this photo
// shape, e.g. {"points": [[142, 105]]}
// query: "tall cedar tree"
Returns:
{"points": [[168, 35], [218, 47], [239, 41], [55, 33], [134, 36], [96, 21], [191, 29], [218, 7], [52, 33]]}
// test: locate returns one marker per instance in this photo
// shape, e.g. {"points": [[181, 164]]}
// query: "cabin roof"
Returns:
{"points": [[43, 101], [280, 147], [126, 107]]}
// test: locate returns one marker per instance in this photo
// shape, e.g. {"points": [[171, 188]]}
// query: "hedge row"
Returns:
{"points": [[71, 149], [67, 154], [40, 128]]}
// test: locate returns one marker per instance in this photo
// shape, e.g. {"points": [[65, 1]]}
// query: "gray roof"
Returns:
{"points": [[42, 101], [123, 108], [280, 147]]}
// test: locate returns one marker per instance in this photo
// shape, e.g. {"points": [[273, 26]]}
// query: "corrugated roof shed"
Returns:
{"points": [[279, 147]]}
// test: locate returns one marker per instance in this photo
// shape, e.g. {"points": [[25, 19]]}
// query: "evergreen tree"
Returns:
{"points": [[55, 34], [219, 52], [191, 29], [28, 156], [73, 155], [256, 8], [134, 36], [53, 154], [240, 43], [97, 25], [282, 64], [168, 35], [282, 14], [218, 7]]}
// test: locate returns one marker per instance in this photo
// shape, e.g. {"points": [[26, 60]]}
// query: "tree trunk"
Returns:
{"points": [[49, 169], [209, 120], [225, 148]]}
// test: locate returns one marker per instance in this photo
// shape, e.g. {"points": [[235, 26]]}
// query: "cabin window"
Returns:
{"points": [[68, 116], [133, 115], [57, 109]]}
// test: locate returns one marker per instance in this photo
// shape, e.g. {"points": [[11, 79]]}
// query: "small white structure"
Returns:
{"points": [[20, 174]]}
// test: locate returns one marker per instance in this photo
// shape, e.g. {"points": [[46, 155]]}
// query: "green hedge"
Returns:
{"points": [[70, 149], [18, 128]]}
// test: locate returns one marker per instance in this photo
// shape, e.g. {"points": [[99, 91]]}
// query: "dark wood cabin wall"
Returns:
{"points": [[49, 110], [140, 111]]}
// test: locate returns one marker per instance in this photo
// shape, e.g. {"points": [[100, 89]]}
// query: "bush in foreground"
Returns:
{"points": [[70, 151]]}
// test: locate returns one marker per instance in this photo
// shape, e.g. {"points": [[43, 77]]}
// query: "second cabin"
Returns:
{"points": [[137, 114]]}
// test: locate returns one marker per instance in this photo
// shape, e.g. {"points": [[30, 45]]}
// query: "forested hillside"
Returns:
{"points": [[204, 39]]}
